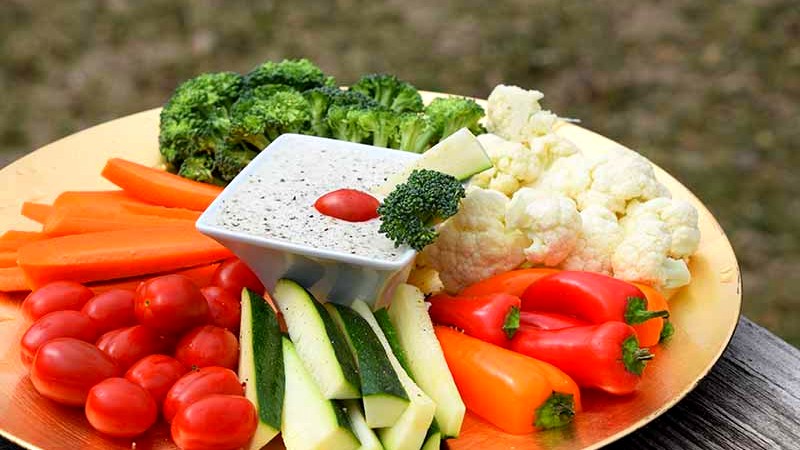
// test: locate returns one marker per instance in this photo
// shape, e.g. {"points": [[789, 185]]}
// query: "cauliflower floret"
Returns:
{"points": [[549, 220], [424, 277], [514, 165], [569, 176], [643, 254], [621, 177], [514, 113], [599, 237], [475, 243], [681, 220]]}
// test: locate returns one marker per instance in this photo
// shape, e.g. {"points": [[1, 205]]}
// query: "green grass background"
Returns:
{"points": [[709, 90]]}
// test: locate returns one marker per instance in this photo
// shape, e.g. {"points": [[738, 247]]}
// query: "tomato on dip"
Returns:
{"points": [[348, 204]]}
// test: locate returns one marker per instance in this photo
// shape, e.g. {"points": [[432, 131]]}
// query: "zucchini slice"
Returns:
{"points": [[433, 441], [382, 393], [409, 432], [261, 365], [410, 318], [318, 340], [310, 421], [367, 437], [460, 155]]}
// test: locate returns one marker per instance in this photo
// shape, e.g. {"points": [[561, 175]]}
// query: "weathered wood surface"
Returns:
{"points": [[750, 400]]}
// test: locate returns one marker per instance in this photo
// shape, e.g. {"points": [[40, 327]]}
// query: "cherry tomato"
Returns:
{"points": [[208, 346], [56, 324], [348, 204], [215, 422], [120, 408], [170, 304], [157, 374], [128, 345], [225, 308], [64, 370], [234, 275], [198, 384], [55, 296], [111, 310]]}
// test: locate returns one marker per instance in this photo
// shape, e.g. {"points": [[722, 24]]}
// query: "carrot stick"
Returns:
{"points": [[12, 240], [108, 255], [514, 282], [507, 389], [12, 279], [159, 187], [68, 220], [103, 201], [201, 276], [8, 258], [37, 212]]}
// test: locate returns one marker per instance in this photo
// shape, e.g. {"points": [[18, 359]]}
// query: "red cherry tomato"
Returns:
{"points": [[170, 304], [208, 346], [215, 422], [64, 370], [55, 296], [348, 204], [128, 345], [120, 408], [111, 310], [224, 307], [56, 324], [157, 374], [233, 275], [198, 384]]}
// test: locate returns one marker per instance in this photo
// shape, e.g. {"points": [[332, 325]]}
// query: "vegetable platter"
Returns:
{"points": [[704, 313]]}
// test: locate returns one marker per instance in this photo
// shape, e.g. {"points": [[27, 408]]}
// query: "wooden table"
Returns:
{"points": [[750, 400]]}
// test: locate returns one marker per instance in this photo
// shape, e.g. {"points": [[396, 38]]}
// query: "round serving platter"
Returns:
{"points": [[705, 313]]}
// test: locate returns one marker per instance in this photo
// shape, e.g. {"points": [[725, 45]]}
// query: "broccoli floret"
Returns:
{"points": [[199, 168], [230, 158], [345, 122], [381, 124], [260, 117], [453, 113], [415, 132], [389, 92], [321, 98], [409, 212], [195, 119], [300, 74]]}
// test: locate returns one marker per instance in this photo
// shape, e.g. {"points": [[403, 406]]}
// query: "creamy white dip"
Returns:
{"points": [[277, 200]]}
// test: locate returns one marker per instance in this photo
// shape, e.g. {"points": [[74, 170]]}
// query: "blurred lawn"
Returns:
{"points": [[708, 90]]}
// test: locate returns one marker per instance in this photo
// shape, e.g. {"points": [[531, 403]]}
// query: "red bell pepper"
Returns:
{"points": [[549, 321], [593, 297], [491, 318], [605, 356]]}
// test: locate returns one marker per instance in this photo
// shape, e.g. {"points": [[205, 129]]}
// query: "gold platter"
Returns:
{"points": [[705, 313]]}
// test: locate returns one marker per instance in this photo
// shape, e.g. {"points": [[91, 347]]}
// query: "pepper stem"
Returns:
{"points": [[666, 331], [557, 411], [511, 322], [634, 358], [636, 311]]}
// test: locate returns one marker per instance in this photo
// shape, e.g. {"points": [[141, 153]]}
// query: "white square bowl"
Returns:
{"points": [[329, 275]]}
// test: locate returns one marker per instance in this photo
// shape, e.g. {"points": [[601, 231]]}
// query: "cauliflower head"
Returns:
{"points": [[514, 113], [598, 239], [475, 243], [549, 220]]}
